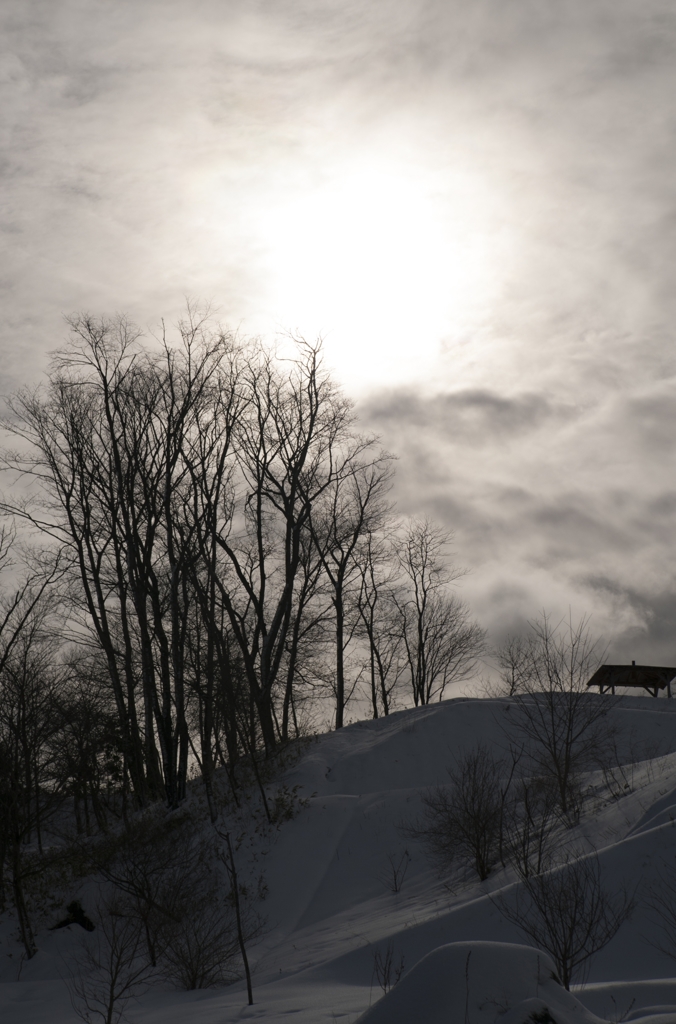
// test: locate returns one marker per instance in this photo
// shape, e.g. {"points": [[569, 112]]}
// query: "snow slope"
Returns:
{"points": [[330, 910]]}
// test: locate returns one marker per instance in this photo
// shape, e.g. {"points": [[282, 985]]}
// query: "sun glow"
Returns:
{"points": [[388, 266]]}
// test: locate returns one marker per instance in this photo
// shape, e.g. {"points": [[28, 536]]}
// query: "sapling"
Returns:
{"points": [[110, 967], [568, 912], [387, 974], [394, 874]]}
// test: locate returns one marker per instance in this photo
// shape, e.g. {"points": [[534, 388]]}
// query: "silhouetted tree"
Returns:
{"points": [[87, 746], [560, 723], [215, 509], [352, 507], [380, 621], [442, 643], [29, 687]]}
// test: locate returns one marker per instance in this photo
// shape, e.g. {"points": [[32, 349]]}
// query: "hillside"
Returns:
{"points": [[330, 910]]}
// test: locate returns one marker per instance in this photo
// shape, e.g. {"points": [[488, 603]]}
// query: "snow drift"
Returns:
{"points": [[481, 983]]}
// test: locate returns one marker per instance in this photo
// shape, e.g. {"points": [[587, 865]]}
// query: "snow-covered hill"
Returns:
{"points": [[330, 909]]}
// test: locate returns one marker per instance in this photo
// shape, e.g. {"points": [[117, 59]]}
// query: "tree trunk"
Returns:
{"points": [[25, 928]]}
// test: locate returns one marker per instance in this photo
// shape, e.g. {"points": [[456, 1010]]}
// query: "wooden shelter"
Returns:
{"points": [[652, 678]]}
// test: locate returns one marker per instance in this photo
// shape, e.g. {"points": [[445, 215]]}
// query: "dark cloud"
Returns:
{"points": [[553, 505], [652, 639], [474, 416]]}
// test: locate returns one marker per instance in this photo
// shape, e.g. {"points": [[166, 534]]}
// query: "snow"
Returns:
{"points": [[329, 909], [479, 981]]}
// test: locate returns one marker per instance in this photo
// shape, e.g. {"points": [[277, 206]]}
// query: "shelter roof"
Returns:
{"points": [[633, 675]]}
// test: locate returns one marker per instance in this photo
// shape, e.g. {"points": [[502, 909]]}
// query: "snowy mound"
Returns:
{"points": [[332, 913], [480, 982]]}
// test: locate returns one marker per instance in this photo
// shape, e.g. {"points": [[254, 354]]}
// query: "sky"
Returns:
{"points": [[472, 201]]}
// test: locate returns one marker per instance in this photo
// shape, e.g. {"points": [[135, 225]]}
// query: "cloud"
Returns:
{"points": [[476, 416], [651, 637], [553, 505], [145, 143]]}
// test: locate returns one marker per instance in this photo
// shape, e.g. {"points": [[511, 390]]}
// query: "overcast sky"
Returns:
{"points": [[473, 200]]}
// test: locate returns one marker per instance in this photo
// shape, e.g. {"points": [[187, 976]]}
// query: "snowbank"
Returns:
{"points": [[480, 983]]}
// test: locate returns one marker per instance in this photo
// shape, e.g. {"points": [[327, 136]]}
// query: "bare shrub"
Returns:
{"points": [[192, 928], [203, 950], [394, 874], [620, 1013], [159, 873], [532, 827], [489, 815], [463, 821], [109, 969], [568, 913], [617, 775], [385, 971]]}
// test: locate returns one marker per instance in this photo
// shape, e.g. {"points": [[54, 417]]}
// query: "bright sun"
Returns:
{"points": [[386, 265]]}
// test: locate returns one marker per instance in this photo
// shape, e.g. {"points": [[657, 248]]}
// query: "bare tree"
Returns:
{"points": [[561, 724], [29, 683], [226, 855], [442, 643], [30, 787], [568, 913], [109, 969], [294, 441], [513, 659], [380, 621], [352, 507], [87, 747], [106, 442]]}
